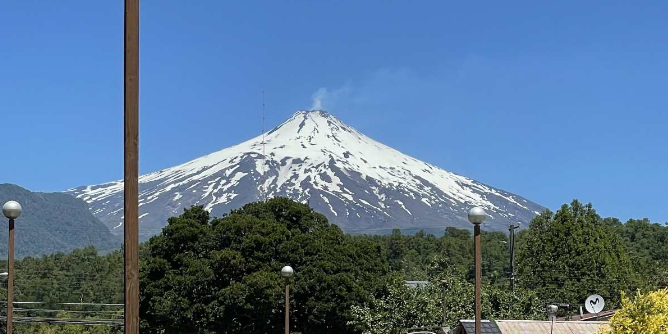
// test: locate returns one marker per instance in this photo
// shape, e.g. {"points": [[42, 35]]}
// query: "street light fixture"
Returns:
{"points": [[287, 272], [11, 210], [477, 216]]}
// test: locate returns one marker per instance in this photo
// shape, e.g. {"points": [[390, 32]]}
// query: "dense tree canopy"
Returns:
{"points": [[647, 246], [445, 300], [417, 256], [223, 275], [568, 255], [54, 282]]}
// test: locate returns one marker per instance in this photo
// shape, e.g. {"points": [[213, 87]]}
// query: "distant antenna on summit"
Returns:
{"points": [[263, 117], [263, 196]]}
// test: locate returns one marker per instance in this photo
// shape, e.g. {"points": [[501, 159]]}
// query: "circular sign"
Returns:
{"points": [[594, 304]]}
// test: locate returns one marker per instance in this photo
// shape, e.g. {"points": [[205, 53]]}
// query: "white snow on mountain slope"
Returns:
{"points": [[313, 157]]}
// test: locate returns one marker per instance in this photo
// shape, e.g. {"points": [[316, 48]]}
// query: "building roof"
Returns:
{"points": [[604, 315], [413, 284], [531, 327], [486, 327], [437, 330], [542, 327]]}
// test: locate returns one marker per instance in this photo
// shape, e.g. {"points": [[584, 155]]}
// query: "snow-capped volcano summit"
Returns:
{"points": [[358, 183]]}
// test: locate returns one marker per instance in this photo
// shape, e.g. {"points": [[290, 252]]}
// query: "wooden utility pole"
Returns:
{"points": [[287, 307], [478, 276], [477, 216], [11, 210], [131, 166], [10, 279]]}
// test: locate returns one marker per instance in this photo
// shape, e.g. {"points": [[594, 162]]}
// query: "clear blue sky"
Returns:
{"points": [[550, 101]]}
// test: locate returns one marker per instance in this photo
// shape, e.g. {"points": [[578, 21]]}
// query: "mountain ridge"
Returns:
{"points": [[360, 184], [53, 222]]}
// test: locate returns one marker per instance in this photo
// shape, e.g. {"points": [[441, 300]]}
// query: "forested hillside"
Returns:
{"points": [[52, 222], [221, 275]]}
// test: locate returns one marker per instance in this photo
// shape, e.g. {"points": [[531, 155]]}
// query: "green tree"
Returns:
{"points": [[402, 307], [568, 255], [643, 313], [647, 245], [445, 300], [221, 275]]}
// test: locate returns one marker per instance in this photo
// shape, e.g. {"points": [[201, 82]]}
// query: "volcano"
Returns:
{"points": [[360, 184]]}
